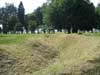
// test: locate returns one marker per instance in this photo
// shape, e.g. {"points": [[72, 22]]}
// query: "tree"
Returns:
{"points": [[5, 14], [11, 9], [12, 22], [18, 27], [69, 14], [32, 25], [31, 22], [39, 17], [0, 30], [4, 18], [57, 15], [21, 14], [98, 17], [46, 12]]}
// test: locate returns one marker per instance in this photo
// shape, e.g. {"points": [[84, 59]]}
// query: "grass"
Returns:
{"points": [[11, 39], [50, 54]]}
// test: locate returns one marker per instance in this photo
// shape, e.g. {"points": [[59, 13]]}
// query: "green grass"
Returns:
{"points": [[11, 39], [92, 34], [15, 38], [50, 54]]}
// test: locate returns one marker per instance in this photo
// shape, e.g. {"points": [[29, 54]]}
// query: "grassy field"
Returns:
{"points": [[50, 54]]}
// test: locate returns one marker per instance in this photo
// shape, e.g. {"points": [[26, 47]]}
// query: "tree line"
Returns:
{"points": [[68, 15]]}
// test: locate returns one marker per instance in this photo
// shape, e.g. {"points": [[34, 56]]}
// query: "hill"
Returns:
{"points": [[50, 54]]}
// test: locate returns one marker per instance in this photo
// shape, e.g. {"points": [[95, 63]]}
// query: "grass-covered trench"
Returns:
{"points": [[50, 54]]}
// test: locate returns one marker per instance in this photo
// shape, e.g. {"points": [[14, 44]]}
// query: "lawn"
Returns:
{"points": [[50, 54]]}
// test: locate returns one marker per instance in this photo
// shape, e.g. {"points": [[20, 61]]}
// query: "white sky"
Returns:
{"points": [[30, 5]]}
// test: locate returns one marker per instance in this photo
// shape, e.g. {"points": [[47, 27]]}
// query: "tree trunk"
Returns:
{"points": [[53, 31], [69, 31]]}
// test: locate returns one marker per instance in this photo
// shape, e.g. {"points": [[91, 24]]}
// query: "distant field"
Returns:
{"points": [[50, 54]]}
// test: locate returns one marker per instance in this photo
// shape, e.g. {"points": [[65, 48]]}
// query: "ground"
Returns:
{"points": [[50, 54]]}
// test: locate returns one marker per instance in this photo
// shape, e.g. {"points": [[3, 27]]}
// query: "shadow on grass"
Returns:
{"points": [[95, 70]]}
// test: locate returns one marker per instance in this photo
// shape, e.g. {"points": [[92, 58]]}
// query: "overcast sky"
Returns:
{"points": [[30, 5]]}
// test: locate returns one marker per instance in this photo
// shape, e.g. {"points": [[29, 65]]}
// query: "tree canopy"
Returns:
{"points": [[68, 15]]}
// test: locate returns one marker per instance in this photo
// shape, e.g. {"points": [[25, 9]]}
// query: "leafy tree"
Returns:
{"points": [[39, 17], [5, 13], [47, 17], [98, 16], [12, 22], [11, 9], [32, 25], [69, 14], [31, 22], [3, 20], [83, 15], [18, 27]]}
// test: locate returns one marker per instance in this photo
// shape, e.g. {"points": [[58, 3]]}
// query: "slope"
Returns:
{"points": [[50, 54]]}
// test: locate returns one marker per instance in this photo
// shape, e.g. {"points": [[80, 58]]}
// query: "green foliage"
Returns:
{"points": [[38, 15], [31, 22], [32, 25], [98, 9], [12, 22], [8, 14], [67, 14], [98, 16], [18, 27]]}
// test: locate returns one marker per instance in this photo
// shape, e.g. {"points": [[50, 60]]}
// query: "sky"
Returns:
{"points": [[31, 5]]}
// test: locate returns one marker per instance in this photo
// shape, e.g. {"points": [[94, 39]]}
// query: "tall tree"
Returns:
{"points": [[47, 13], [98, 16], [39, 17], [21, 14]]}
